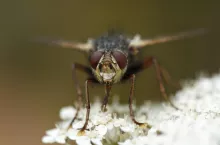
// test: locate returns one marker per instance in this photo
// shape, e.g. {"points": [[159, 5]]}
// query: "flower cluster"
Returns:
{"points": [[198, 121]]}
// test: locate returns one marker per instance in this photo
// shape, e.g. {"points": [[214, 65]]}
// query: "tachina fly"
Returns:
{"points": [[111, 59]]}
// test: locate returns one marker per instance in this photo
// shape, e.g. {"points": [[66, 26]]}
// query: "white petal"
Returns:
{"points": [[119, 122], [127, 128], [67, 113], [101, 118], [102, 130], [80, 124], [110, 126], [53, 132], [83, 140], [63, 124], [61, 139], [141, 140], [96, 141], [72, 134], [127, 142], [48, 139]]}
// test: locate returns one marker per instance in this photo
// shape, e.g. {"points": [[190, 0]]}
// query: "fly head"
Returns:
{"points": [[109, 60]]}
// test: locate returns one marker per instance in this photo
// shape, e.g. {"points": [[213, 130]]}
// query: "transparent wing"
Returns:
{"points": [[69, 44], [139, 43]]}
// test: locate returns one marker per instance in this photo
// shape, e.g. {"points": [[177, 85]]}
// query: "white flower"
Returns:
{"points": [[198, 123], [67, 113], [124, 124], [54, 136], [103, 118], [101, 129], [79, 124], [58, 134], [90, 137], [140, 140]]}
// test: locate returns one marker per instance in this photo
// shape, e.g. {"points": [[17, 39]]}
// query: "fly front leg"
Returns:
{"points": [[132, 77], [105, 100], [82, 130], [87, 70]]}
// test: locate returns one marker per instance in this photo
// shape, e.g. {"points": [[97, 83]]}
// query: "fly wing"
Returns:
{"points": [[137, 42], [86, 47]]}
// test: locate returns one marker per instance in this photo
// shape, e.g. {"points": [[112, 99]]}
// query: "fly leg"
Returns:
{"points": [[168, 79], [87, 70], [152, 61], [82, 130], [132, 77], [160, 73], [105, 100]]}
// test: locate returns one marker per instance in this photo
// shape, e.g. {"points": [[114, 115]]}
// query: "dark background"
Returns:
{"points": [[35, 79]]}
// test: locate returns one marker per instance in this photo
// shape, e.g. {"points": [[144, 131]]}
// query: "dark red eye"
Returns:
{"points": [[120, 58], [94, 58]]}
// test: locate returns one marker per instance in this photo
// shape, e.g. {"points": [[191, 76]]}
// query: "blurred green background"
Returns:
{"points": [[35, 79]]}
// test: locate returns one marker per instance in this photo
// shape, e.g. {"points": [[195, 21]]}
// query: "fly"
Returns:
{"points": [[111, 61]]}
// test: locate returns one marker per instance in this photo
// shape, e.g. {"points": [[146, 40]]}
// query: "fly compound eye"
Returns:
{"points": [[120, 58], [94, 58]]}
